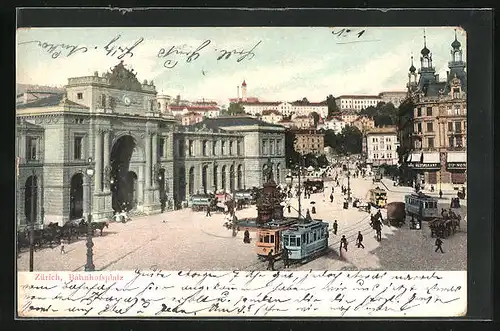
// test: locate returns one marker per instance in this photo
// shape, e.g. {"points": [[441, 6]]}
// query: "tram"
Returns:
{"points": [[421, 206], [378, 197], [268, 236], [305, 240]]}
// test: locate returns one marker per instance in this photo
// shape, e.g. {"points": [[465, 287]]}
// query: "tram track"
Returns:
{"points": [[350, 232]]}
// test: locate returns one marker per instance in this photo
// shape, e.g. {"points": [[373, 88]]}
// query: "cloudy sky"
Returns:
{"points": [[277, 63]]}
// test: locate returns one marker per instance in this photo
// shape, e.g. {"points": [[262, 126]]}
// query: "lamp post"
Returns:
{"points": [[89, 266], [348, 186]]}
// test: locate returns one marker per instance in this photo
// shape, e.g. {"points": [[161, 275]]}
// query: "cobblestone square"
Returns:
{"points": [[184, 239]]}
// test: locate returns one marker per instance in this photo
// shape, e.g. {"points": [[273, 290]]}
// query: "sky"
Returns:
{"points": [[277, 63]]}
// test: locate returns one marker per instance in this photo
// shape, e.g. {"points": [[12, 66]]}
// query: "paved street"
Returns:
{"points": [[188, 240]]}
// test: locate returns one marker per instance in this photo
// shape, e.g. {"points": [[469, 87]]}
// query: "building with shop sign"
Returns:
{"points": [[439, 140], [381, 146]]}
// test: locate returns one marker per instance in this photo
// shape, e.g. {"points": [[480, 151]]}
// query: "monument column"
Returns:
{"points": [[98, 161]]}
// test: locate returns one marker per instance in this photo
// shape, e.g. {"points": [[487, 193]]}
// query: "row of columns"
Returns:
{"points": [[211, 186], [102, 158]]}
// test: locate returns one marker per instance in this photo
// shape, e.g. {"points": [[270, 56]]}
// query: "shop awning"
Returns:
{"points": [[415, 157], [453, 157], [431, 157], [456, 160]]}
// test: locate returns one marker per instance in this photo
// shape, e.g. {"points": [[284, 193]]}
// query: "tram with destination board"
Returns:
{"points": [[421, 206], [306, 240]]}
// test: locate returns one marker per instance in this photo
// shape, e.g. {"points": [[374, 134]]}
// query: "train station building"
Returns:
{"points": [[138, 152], [439, 139]]}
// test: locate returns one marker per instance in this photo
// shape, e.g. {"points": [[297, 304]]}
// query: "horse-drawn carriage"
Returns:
{"points": [[52, 233], [314, 185], [444, 227], [244, 198], [200, 202]]}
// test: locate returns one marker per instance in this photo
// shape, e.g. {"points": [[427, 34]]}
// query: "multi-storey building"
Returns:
{"points": [[363, 123], [253, 106], [394, 97], [271, 116], [356, 102], [191, 118], [139, 152], [439, 121], [309, 141], [335, 124], [303, 121], [381, 146]]}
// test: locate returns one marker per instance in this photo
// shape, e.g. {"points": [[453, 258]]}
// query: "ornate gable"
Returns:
{"points": [[123, 79]]}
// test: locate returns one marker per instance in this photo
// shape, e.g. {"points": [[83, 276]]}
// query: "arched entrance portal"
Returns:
{"points": [[31, 198], [76, 197], [123, 182]]}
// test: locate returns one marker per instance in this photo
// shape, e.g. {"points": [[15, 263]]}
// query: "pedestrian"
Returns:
{"points": [[246, 237], [313, 209], [432, 188], [438, 244], [285, 254], [335, 227], [289, 209], [270, 259], [440, 194], [308, 215], [331, 198], [62, 249], [343, 243], [359, 240], [208, 212]]}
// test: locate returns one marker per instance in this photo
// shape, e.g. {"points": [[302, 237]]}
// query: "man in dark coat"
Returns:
{"points": [[270, 259], [331, 197], [289, 209], [438, 244], [335, 227], [359, 240], [440, 194], [343, 243], [246, 237], [286, 261], [208, 212]]}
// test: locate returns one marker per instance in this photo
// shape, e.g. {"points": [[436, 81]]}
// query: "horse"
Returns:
{"points": [[99, 226]]}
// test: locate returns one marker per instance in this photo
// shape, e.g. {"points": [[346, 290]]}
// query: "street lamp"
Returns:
{"points": [[349, 186], [89, 266]]}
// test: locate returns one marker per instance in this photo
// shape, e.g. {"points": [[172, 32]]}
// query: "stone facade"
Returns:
{"points": [[112, 124], [438, 153]]}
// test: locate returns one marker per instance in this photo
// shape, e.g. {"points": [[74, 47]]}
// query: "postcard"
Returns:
{"points": [[241, 172]]}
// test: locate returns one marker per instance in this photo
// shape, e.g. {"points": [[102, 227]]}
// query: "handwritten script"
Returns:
{"points": [[160, 293], [169, 55]]}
